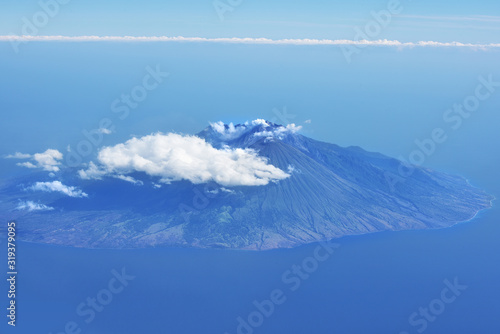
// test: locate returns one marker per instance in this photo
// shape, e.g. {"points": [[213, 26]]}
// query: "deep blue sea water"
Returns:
{"points": [[370, 284]]}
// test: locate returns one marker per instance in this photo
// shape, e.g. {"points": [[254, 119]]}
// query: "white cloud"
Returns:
{"points": [[26, 164], [231, 131], [104, 131], [308, 121], [237, 40], [128, 179], [32, 206], [173, 157], [92, 172], [278, 132], [18, 155], [222, 189], [57, 186], [48, 160], [260, 121]]}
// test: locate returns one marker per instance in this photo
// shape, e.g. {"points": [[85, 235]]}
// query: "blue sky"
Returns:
{"points": [[464, 21]]}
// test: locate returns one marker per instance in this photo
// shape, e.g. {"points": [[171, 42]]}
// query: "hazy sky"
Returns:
{"points": [[464, 21]]}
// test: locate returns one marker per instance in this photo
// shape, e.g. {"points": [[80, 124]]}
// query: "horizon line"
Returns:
{"points": [[244, 40]]}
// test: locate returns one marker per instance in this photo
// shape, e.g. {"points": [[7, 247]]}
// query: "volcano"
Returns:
{"points": [[324, 192]]}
